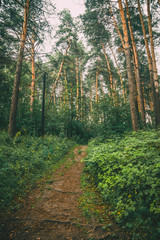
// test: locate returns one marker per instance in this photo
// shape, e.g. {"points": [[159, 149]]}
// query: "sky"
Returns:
{"points": [[75, 6]]}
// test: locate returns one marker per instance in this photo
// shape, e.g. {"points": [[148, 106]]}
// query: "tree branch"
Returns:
{"points": [[19, 3]]}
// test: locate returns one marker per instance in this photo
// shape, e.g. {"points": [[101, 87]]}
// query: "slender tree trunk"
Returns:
{"points": [[33, 75], [43, 107], [97, 74], [155, 75], [155, 96], [91, 105], [109, 69], [66, 87], [81, 95], [125, 45], [116, 26], [54, 94], [101, 85], [135, 80], [136, 68], [14, 103], [59, 73], [134, 117], [60, 101], [77, 80], [119, 72]]}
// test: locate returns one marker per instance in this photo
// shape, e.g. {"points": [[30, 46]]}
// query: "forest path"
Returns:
{"points": [[52, 212]]}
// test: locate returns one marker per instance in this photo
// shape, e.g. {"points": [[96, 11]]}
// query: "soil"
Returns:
{"points": [[51, 211]]}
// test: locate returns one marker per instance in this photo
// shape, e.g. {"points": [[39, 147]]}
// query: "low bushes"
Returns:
{"points": [[23, 160], [127, 172]]}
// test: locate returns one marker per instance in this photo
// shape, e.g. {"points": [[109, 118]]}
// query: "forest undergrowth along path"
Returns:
{"points": [[52, 211]]}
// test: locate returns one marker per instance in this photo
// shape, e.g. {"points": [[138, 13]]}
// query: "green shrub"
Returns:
{"points": [[127, 173], [24, 159]]}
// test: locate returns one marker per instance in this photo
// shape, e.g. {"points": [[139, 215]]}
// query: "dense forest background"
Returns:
{"points": [[98, 86], [107, 85]]}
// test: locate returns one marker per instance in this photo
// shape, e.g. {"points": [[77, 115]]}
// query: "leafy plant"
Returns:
{"points": [[127, 173]]}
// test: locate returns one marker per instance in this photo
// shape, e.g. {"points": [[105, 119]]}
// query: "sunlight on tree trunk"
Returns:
{"points": [[134, 117], [77, 80], [109, 69], [155, 75], [81, 95], [33, 75], [97, 75], [136, 68], [59, 73], [150, 64], [14, 103], [119, 72]]}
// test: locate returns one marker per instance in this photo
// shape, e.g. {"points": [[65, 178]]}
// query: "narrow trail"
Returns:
{"points": [[52, 212]]}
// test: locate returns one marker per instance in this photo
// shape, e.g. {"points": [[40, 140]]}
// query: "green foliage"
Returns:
{"points": [[23, 160], [127, 173]]}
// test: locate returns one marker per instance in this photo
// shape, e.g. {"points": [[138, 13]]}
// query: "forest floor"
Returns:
{"points": [[59, 208]]}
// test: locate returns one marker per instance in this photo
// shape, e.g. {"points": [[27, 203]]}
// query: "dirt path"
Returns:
{"points": [[52, 212]]}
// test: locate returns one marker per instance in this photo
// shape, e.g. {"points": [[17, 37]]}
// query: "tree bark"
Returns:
{"points": [[59, 73], [119, 73], [77, 80], [81, 95], [66, 88], [43, 107], [116, 26], [91, 105], [109, 69], [136, 68], [134, 117], [155, 96], [97, 74], [33, 75], [14, 103], [155, 75]]}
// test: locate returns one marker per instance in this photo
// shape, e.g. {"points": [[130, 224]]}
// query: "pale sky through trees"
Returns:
{"points": [[75, 6]]}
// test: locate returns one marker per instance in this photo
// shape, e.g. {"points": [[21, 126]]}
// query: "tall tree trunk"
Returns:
{"points": [[137, 72], [59, 73], [91, 105], [116, 26], [66, 88], [33, 75], [155, 75], [81, 95], [154, 94], [125, 45], [60, 102], [43, 107], [97, 74], [135, 80], [77, 80], [109, 69], [14, 103], [134, 117], [119, 72]]}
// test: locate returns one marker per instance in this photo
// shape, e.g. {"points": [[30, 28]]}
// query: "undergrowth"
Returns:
{"points": [[127, 172], [96, 211], [24, 160]]}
